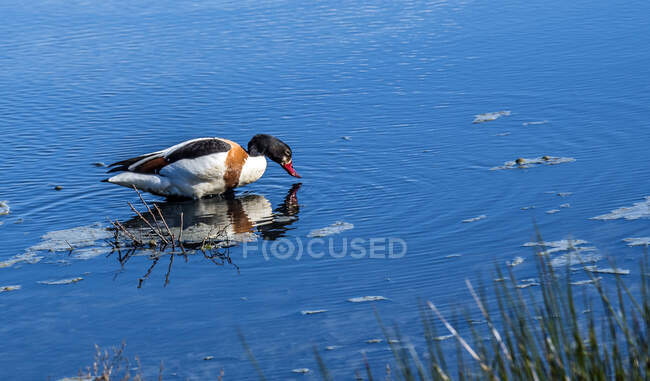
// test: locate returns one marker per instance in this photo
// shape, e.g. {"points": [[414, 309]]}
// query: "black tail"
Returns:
{"points": [[117, 169], [124, 164]]}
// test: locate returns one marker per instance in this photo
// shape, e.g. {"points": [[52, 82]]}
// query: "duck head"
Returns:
{"points": [[273, 148]]}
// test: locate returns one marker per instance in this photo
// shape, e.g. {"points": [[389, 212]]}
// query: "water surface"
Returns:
{"points": [[377, 102]]}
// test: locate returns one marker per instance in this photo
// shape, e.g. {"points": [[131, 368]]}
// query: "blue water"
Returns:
{"points": [[376, 99]]}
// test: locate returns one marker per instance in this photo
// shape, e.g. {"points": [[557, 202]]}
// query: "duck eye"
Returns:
{"points": [[287, 153]]}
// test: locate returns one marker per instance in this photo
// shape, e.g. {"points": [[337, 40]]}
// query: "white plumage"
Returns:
{"points": [[201, 167]]}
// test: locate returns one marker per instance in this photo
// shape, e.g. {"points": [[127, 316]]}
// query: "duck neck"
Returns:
{"points": [[255, 151], [256, 146]]}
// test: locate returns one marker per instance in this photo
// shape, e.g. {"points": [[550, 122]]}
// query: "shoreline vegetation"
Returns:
{"points": [[559, 330]]}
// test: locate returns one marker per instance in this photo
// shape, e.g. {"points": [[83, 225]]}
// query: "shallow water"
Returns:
{"points": [[377, 101]]}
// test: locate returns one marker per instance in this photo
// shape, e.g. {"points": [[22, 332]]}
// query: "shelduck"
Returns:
{"points": [[201, 167]]}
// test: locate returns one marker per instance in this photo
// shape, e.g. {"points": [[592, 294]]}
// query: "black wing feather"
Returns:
{"points": [[190, 150], [197, 149], [124, 164]]}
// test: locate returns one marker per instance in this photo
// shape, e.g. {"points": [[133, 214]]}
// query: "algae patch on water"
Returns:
{"points": [[28, 257], [607, 270], [361, 299], [573, 258], [638, 241], [335, 228], [490, 116], [525, 283], [61, 281], [515, 262], [634, 212], [536, 161], [535, 123], [443, 337], [4, 208], [82, 241], [474, 219], [586, 281], [575, 252], [10, 288], [561, 245], [312, 312], [75, 238]]}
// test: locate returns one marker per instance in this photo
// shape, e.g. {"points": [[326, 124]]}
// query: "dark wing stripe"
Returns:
{"points": [[117, 169], [127, 162], [197, 149], [153, 162], [151, 166]]}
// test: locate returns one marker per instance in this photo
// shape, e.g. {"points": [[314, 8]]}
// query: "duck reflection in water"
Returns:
{"points": [[210, 226]]}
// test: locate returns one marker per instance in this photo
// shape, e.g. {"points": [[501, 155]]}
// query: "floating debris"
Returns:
{"points": [[585, 282], [490, 116], [4, 208], [443, 337], [28, 257], [58, 187], [564, 194], [607, 270], [528, 163], [301, 370], [312, 312], [75, 238], [362, 299], [61, 281], [335, 228], [374, 341], [574, 258], [552, 211], [535, 123], [515, 262], [525, 283], [634, 212], [10, 288], [332, 347], [346, 138], [99, 164], [640, 241], [566, 205], [474, 219], [208, 358], [561, 245], [90, 252], [528, 207]]}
